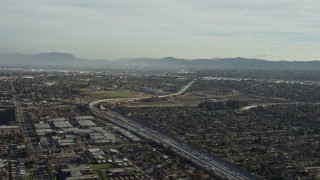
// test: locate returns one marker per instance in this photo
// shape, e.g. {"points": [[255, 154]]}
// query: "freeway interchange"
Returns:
{"points": [[214, 165]]}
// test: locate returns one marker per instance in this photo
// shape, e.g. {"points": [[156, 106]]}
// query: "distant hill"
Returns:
{"points": [[226, 63], [37, 59], [66, 60]]}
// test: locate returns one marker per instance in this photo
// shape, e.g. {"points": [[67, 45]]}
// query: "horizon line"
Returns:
{"points": [[163, 57]]}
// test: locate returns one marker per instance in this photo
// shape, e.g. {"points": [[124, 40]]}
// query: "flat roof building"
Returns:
{"points": [[62, 124], [9, 130], [42, 126], [86, 123]]}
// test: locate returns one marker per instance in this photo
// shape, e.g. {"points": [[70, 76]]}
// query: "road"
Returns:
{"points": [[211, 163], [181, 91], [39, 172], [273, 104]]}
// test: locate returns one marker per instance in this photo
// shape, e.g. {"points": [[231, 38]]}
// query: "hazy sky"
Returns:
{"points": [[111, 29]]}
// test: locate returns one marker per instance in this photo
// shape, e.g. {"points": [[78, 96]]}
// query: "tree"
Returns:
{"points": [[199, 175], [79, 143]]}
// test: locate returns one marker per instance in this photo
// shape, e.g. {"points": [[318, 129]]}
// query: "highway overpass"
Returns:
{"points": [[211, 163]]}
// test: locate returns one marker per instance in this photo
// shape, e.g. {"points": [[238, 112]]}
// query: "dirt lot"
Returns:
{"points": [[193, 99]]}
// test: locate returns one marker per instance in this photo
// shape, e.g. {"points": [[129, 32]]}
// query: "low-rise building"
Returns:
{"points": [[10, 130]]}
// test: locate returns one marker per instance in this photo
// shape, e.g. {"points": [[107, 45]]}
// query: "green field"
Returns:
{"points": [[101, 166]]}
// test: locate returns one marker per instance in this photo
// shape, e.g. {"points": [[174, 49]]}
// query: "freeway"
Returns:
{"points": [[181, 91], [213, 164]]}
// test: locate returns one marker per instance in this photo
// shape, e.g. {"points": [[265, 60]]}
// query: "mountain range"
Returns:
{"points": [[66, 60]]}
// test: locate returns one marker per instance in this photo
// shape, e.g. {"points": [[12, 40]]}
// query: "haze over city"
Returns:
{"points": [[114, 29], [159, 90]]}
